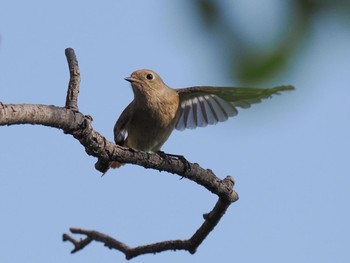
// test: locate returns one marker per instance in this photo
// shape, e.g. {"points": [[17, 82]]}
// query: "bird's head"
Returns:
{"points": [[146, 83]]}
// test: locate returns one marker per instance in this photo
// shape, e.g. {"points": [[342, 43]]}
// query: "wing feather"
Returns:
{"points": [[120, 129], [201, 106]]}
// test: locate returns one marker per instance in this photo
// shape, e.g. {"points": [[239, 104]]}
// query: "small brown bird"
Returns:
{"points": [[147, 122]]}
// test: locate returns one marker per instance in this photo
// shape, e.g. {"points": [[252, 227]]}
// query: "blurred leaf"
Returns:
{"points": [[209, 11], [249, 62]]}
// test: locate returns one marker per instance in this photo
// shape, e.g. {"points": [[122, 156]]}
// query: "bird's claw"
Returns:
{"points": [[166, 156]]}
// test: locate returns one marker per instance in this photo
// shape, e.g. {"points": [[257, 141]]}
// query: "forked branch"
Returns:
{"points": [[191, 244], [73, 122]]}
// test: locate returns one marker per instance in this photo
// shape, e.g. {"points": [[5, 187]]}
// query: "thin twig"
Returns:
{"points": [[210, 221], [74, 81]]}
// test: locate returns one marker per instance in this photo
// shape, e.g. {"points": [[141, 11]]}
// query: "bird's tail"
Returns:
{"points": [[115, 165], [103, 166]]}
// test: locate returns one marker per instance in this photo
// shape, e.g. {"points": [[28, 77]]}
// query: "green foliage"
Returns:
{"points": [[250, 62]]}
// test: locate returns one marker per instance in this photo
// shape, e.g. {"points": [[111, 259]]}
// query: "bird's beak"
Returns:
{"points": [[130, 79]]}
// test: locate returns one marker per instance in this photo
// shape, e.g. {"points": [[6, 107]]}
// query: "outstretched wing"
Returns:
{"points": [[201, 106]]}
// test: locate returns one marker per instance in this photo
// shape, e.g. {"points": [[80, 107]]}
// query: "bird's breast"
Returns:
{"points": [[150, 126]]}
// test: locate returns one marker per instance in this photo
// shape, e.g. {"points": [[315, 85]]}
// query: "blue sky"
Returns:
{"points": [[289, 155]]}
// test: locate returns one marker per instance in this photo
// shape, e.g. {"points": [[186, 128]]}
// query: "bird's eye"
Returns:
{"points": [[149, 76]]}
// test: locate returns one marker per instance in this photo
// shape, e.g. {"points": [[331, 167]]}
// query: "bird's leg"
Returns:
{"points": [[175, 156], [167, 155]]}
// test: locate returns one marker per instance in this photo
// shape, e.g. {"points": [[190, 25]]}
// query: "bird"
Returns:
{"points": [[157, 109]]}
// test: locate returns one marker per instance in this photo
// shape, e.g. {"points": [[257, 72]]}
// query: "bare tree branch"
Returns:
{"points": [[74, 82], [73, 122], [191, 244]]}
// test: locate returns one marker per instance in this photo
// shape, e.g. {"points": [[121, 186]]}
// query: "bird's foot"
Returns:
{"points": [[166, 156]]}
